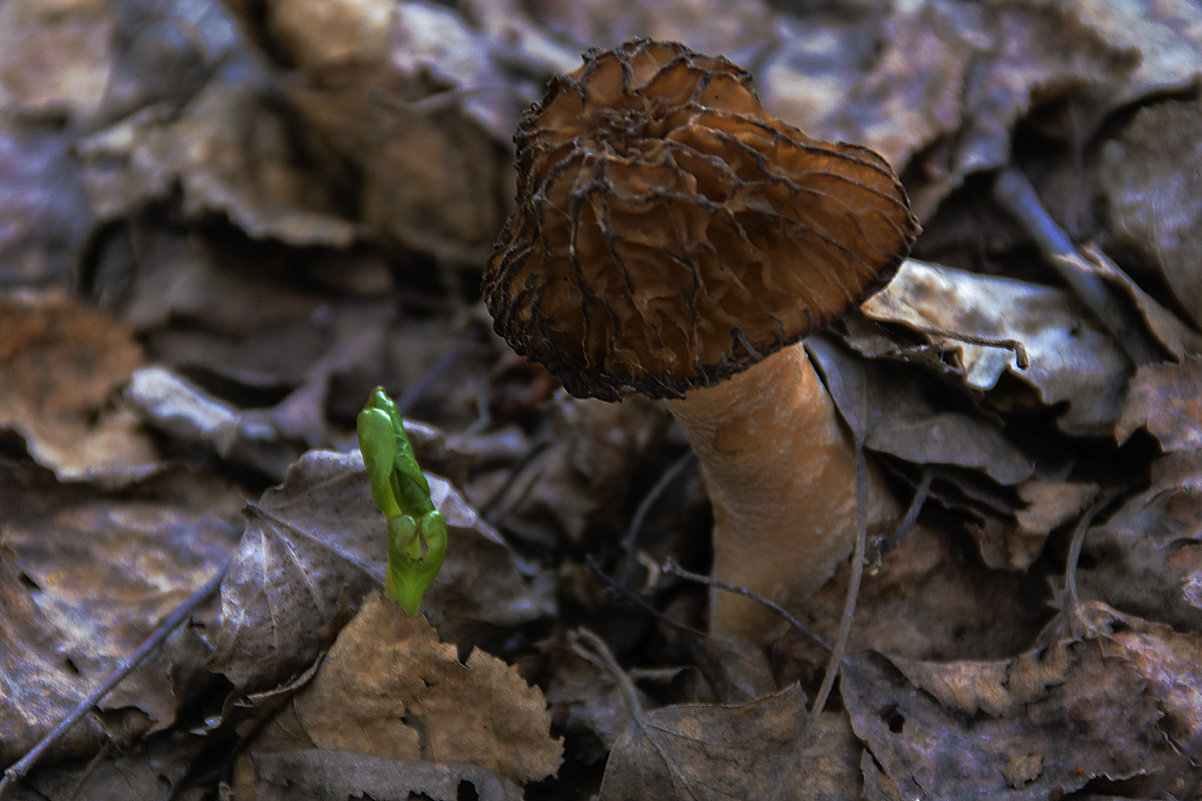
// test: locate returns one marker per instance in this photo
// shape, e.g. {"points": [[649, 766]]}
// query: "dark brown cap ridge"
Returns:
{"points": [[670, 233]]}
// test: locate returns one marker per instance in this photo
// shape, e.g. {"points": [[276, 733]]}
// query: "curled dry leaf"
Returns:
{"points": [[1072, 361], [369, 81], [315, 546], [903, 421], [60, 364], [390, 689]]}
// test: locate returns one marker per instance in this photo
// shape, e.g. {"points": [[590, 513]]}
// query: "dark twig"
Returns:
{"points": [[415, 393], [1015, 194], [630, 543], [916, 503], [636, 599], [486, 509], [1076, 545], [671, 568], [19, 769], [839, 652]]}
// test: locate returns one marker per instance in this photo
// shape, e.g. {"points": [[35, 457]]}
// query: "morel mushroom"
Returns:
{"points": [[673, 239]]}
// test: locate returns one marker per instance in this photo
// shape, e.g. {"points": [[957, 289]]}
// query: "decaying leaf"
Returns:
{"points": [[1151, 176], [1166, 399], [338, 775], [1147, 557], [388, 688], [315, 546], [1045, 722], [691, 752], [84, 579]]}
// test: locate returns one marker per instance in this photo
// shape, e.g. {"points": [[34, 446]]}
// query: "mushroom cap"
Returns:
{"points": [[669, 232]]}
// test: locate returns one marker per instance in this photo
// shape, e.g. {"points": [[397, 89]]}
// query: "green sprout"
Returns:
{"points": [[417, 532]]}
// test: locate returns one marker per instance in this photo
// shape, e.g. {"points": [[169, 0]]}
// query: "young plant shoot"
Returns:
{"points": [[417, 532]]}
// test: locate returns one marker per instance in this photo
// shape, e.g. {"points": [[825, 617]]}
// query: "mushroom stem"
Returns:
{"points": [[780, 471]]}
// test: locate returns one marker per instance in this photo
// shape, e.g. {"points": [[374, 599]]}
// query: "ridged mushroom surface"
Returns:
{"points": [[669, 232]]}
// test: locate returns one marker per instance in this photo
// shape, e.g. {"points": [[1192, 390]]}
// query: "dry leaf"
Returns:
{"points": [[1147, 557], [60, 365], [905, 420], [229, 154], [1150, 180], [1072, 361], [389, 688], [1165, 399], [1045, 722], [339, 776], [86, 577], [55, 57], [700, 751]]}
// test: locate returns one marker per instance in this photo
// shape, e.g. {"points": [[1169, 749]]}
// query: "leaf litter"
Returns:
{"points": [[222, 224]]}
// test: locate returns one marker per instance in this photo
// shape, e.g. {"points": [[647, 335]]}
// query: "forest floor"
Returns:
{"points": [[223, 224]]}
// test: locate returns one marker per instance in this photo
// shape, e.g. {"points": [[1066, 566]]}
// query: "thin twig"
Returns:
{"points": [[916, 503], [22, 767], [671, 568], [1076, 544], [630, 543], [415, 393], [1015, 194], [602, 656], [485, 510], [849, 605], [636, 599], [1021, 359]]}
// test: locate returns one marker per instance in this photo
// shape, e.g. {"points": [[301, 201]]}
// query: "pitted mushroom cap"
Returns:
{"points": [[670, 233]]}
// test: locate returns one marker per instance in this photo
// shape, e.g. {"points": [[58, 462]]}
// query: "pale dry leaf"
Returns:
{"points": [[389, 687], [1072, 361]]}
